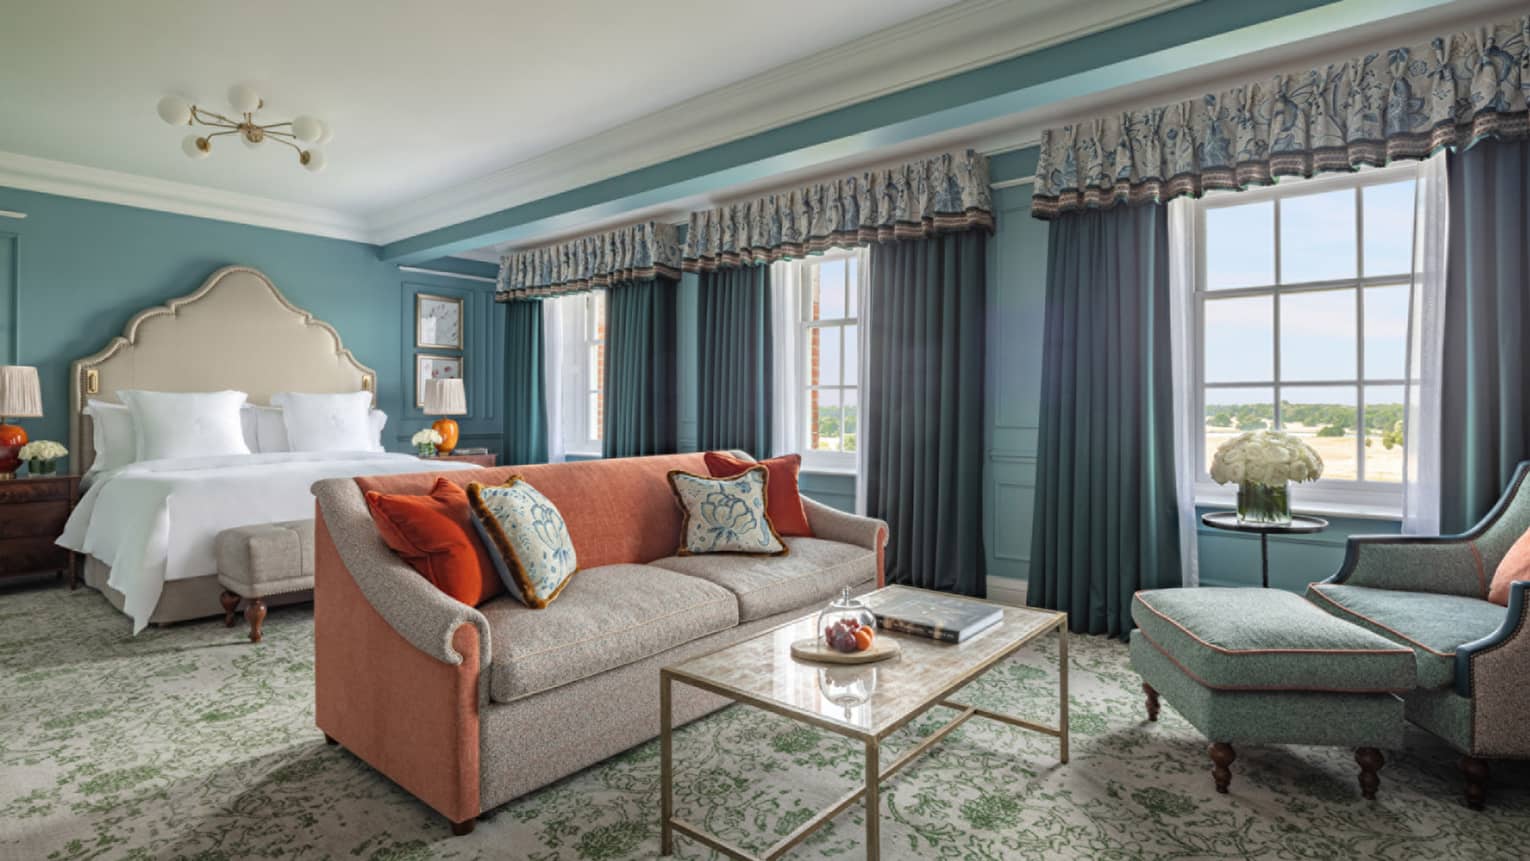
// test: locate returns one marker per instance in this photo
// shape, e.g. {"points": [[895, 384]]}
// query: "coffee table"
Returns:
{"points": [[761, 672]]}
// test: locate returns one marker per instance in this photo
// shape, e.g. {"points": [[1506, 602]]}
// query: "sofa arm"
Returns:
{"points": [[834, 525], [423, 615], [1409, 563]]}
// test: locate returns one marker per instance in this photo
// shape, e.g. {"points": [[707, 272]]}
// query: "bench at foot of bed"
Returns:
{"points": [[256, 562]]}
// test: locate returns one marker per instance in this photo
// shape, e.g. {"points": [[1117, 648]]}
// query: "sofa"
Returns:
{"points": [[469, 707]]}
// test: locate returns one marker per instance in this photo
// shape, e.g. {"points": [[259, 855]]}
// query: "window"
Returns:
{"points": [[828, 354], [580, 347], [1301, 297], [594, 368]]}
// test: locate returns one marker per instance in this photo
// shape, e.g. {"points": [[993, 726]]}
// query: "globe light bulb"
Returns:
{"points": [[243, 99], [175, 110], [313, 160], [327, 136], [196, 147], [307, 129]]}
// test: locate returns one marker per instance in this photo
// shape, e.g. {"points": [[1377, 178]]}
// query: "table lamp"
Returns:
{"points": [[445, 397], [20, 397]]}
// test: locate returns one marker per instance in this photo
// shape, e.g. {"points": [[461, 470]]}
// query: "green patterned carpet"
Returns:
{"points": [[188, 742]]}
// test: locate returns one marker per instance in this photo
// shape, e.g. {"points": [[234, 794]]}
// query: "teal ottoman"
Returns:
{"points": [[1263, 666]]}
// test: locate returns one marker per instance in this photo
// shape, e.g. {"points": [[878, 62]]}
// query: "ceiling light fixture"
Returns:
{"points": [[303, 130]]}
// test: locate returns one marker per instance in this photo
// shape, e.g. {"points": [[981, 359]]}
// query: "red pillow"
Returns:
{"points": [[435, 535], [1515, 566], [783, 501]]}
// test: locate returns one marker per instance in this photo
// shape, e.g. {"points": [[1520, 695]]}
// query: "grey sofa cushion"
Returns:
{"points": [[605, 617], [265, 558], [1432, 625], [810, 575]]}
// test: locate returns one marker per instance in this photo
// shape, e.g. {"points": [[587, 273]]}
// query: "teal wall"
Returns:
{"points": [[74, 271]]}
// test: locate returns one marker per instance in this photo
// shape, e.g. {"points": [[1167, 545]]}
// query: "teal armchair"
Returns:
{"points": [[1472, 657]]}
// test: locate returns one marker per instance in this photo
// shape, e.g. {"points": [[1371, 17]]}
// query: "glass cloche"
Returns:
{"points": [[847, 625]]}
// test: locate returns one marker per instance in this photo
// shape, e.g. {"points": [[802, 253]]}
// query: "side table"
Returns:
{"points": [[1300, 524], [32, 515]]}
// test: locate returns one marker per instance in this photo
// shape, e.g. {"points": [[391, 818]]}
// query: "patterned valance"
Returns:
{"points": [[1406, 103], [947, 192], [639, 251]]}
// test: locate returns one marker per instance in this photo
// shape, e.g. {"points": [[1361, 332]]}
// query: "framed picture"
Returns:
{"points": [[428, 367], [437, 322]]}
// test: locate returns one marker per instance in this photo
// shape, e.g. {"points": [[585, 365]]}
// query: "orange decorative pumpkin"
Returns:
{"points": [[12, 438], [447, 428]]}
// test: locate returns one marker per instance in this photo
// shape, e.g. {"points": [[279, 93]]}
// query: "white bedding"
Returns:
{"points": [[154, 521]]}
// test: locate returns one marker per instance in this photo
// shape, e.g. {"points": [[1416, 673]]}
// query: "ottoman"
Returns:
{"points": [[261, 560], [1263, 666]]}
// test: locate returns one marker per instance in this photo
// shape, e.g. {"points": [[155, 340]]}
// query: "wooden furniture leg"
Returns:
{"points": [[1222, 756], [1476, 772], [255, 614], [462, 829], [1152, 701], [873, 800], [230, 602], [1371, 761], [330, 740]]}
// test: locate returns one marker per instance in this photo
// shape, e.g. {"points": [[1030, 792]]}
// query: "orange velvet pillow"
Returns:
{"points": [[1515, 566], [783, 502], [435, 535]]}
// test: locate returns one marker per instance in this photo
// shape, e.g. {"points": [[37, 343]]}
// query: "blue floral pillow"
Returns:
{"points": [[725, 515], [526, 539]]}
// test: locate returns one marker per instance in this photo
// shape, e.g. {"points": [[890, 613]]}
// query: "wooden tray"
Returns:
{"points": [[813, 650]]}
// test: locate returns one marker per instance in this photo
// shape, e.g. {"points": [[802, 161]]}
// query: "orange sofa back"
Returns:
{"points": [[618, 511]]}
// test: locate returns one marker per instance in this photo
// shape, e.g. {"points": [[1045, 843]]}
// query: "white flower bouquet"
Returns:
{"points": [[425, 441], [1262, 463], [40, 456]]}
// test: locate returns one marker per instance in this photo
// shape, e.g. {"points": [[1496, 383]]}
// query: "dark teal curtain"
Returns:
{"points": [[640, 406], [926, 333], [525, 386], [734, 357], [1106, 522], [1485, 429]]}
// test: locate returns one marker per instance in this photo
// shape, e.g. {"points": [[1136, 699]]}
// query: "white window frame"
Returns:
{"points": [[1359, 498], [581, 434], [814, 460]]}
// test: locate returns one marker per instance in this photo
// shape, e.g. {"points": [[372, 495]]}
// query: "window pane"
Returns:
{"points": [[1388, 228], [1240, 246], [824, 419], [597, 316], [854, 286], [1240, 339], [826, 364], [1386, 332], [1384, 433], [852, 354], [1317, 237], [1230, 412], [831, 290], [597, 414], [850, 420], [1324, 417], [1317, 335]]}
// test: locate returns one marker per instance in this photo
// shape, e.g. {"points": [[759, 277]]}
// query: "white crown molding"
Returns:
{"points": [[109, 186], [956, 39]]}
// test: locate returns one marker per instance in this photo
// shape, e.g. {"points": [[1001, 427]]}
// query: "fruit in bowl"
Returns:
{"points": [[849, 636]]}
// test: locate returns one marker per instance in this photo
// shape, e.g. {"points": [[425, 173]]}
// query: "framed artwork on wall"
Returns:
{"points": [[437, 322], [428, 367]]}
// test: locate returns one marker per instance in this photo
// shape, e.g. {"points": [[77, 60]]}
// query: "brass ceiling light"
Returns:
{"points": [[303, 130]]}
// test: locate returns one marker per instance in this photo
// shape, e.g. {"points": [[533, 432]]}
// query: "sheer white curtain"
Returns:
{"points": [[863, 366], [1182, 339], [558, 315], [786, 382], [1426, 344]]}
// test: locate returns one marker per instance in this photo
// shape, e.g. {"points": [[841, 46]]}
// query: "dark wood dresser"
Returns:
{"points": [[32, 515]]}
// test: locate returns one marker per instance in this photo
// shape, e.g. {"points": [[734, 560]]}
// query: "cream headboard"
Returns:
{"points": [[236, 331]]}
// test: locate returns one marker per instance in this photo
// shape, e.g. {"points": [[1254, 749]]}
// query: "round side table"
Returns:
{"points": [[1300, 524]]}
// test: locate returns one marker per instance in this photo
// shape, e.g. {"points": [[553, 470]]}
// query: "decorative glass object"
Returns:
{"points": [[839, 622], [38, 466], [1263, 503], [847, 687]]}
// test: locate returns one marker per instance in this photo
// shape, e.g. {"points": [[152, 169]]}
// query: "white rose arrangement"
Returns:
{"points": [[42, 450], [425, 441], [1266, 457]]}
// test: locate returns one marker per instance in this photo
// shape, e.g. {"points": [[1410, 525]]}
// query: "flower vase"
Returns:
{"points": [[38, 466], [426, 449], [1263, 503]]}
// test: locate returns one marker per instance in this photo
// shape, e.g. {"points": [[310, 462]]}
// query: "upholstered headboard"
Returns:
{"points": [[236, 331]]}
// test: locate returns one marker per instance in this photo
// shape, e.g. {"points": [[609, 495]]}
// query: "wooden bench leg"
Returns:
{"points": [[255, 614], [1476, 773], [1371, 761], [462, 829], [1222, 756], [1152, 701], [230, 602]]}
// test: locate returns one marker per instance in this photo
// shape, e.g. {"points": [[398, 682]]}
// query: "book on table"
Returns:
{"points": [[930, 614]]}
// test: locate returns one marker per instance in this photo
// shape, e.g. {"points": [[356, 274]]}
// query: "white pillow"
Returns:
{"points": [[186, 424], [271, 429], [377, 420], [249, 425], [328, 422], [112, 434]]}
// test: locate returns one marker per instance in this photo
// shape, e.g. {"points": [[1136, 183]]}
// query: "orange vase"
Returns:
{"points": [[447, 428], [12, 438]]}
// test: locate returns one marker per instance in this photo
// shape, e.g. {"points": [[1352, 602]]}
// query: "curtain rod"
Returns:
{"points": [[444, 274]]}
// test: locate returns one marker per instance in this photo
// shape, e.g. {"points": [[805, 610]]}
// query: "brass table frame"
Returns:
{"points": [[874, 774]]}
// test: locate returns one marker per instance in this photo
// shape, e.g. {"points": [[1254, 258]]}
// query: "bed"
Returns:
{"points": [[147, 529]]}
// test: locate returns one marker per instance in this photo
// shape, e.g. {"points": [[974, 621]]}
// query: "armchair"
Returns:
{"points": [[1472, 656]]}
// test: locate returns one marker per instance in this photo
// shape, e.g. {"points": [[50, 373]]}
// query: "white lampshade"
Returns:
{"points": [[326, 135], [175, 110], [315, 161], [445, 398], [190, 148], [243, 99], [307, 129], [20, 393]]}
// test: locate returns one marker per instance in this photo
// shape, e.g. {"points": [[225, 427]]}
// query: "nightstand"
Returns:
{"points": [[32, 515], [484, 460]]}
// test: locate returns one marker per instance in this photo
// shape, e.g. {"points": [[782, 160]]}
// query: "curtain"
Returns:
{"points": [[786, 418], [1426, 346], [1106, 521], [637, 252], [1486, 367], [555, 312], [526, 426], [923, 400], [1188, 423], [735, 359], [640, 399]]}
